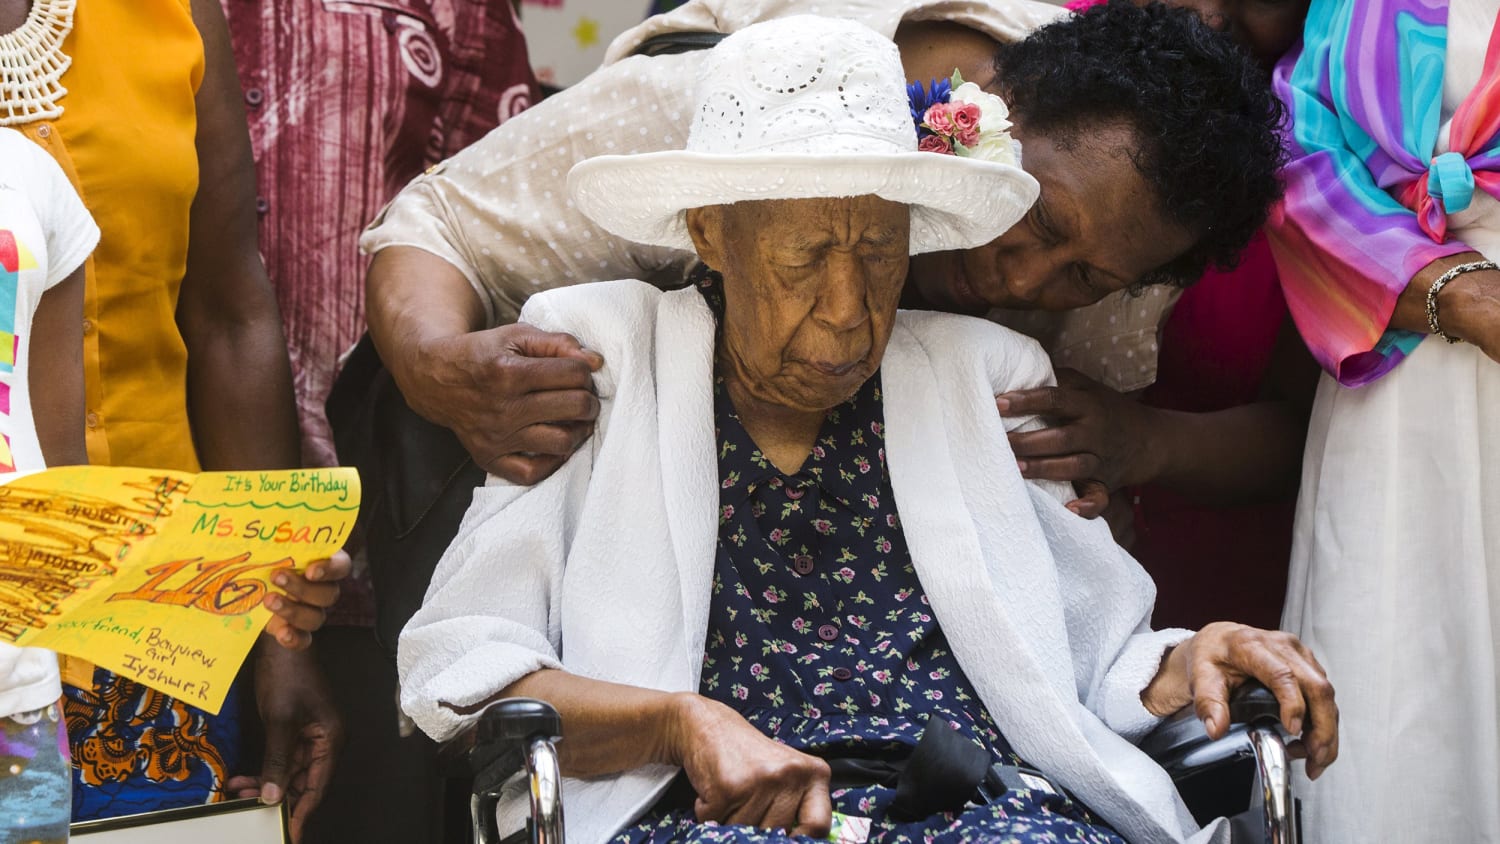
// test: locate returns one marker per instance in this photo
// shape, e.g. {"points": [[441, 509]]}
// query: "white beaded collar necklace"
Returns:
{"points": [[32, 64]]}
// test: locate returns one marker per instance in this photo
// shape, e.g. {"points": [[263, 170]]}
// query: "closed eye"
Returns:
{"points": [[1041, 226], [1085, 280], [796, 260]]}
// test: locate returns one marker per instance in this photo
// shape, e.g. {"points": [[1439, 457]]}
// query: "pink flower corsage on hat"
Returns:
{"points": [[955, 117]]}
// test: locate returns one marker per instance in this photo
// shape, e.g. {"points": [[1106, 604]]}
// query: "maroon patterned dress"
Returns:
{"points": [[348, 100]]}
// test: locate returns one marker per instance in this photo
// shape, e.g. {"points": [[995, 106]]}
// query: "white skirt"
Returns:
{"points": [[1395, 584]]}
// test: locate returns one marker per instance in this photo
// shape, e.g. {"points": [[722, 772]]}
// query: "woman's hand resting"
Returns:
{"points": [[1096, 438], [1222, 656], [743, 777]]}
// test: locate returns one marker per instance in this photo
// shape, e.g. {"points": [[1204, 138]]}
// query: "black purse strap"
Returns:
{"points": [[672, 43]]}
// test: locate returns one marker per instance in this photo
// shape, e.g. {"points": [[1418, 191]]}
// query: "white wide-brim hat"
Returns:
{"points": [[800, 108]]}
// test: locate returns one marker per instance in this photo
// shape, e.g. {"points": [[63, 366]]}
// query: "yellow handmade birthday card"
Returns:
{"points": [[159, 575]]}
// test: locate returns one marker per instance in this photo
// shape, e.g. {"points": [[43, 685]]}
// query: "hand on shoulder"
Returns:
{"points": [[520, 399]]}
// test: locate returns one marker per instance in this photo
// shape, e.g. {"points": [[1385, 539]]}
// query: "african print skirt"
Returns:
{"points": [[138, 750]]}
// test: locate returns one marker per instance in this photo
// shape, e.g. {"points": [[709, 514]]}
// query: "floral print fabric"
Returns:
{"points": [[821, 636], [1025, 817], [138, 750]]}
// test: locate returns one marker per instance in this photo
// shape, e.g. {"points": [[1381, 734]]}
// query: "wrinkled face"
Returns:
{"points": [[1094, 230], [1267, 28], [810, 292]]}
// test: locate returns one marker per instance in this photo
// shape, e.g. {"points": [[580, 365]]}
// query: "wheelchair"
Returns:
{"points": [[1249, 764]]}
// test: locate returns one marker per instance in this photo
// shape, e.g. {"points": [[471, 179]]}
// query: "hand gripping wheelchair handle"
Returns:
{"points": [[1181, 746], [510, 734]]}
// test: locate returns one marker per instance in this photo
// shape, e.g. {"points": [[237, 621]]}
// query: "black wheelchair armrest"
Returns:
{"points": [[1216, 777], [1181, 745], [510, 735]]}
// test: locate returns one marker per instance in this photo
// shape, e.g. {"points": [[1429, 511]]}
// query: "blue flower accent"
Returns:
{"points": [[923, 98]]}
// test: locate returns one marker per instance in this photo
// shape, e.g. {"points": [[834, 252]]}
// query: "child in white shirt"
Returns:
{"points": [[46, 235]]}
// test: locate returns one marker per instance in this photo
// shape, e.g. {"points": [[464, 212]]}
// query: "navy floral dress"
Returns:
{"points": [[821, 636]]}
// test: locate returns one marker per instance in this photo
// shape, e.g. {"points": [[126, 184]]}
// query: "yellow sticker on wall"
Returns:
{"points": [[158, 575]]}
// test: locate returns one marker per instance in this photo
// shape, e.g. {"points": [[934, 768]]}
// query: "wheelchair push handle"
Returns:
{"points": [[513, 734], [1254, 704], [517, 719]]}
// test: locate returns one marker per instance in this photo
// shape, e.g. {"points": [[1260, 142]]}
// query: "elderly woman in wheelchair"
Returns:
{"points": [[796, 581]]}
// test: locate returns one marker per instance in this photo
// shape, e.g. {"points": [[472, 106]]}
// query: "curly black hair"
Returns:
{"points": [[1202, 112]]}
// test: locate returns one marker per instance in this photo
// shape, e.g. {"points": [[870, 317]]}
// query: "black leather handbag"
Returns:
{"points": [[418, 481]]}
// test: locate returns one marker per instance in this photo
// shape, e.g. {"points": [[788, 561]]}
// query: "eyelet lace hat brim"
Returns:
{"points": [[798, 108], [956, 203]]}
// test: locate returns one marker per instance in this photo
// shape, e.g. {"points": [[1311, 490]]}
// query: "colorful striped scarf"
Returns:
{"points": [[1366, 199]]}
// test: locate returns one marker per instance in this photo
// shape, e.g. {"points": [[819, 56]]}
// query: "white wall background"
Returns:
{"points": [[566, 38]]}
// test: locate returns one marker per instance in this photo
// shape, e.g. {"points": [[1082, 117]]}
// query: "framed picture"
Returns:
{"points": [[231, 822]]}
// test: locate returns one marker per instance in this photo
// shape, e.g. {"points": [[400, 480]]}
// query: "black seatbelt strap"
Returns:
{"points": [[943, 774]]}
